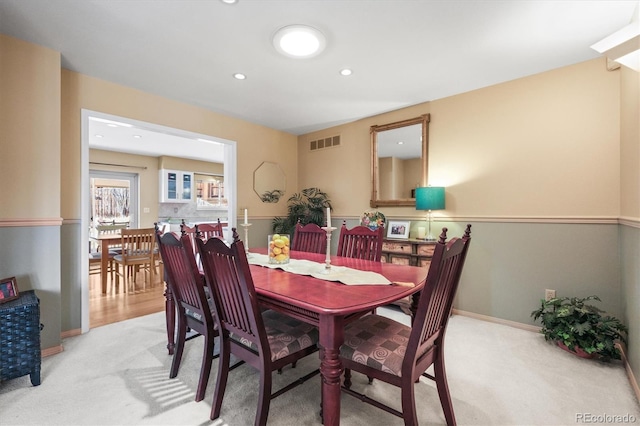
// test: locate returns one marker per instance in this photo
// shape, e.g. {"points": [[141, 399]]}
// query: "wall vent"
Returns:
{"points": [[329, 142]]}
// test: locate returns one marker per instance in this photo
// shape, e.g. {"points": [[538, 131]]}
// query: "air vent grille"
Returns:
{"points": [[329, 142]]}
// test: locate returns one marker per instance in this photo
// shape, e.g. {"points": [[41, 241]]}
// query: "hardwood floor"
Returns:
{"points": [[109, 308]]}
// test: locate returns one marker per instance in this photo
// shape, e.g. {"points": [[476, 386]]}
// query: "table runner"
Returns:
{"points": [[348, 276]]}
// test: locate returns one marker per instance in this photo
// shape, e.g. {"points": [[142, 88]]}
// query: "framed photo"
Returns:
{"points": [[398, 229], [8, 289]]}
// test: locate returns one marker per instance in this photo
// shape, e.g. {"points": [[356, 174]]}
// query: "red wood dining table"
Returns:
{"points": [[329, 305]]}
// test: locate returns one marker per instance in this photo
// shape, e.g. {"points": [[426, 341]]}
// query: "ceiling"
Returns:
{"points": [[402, 52]]}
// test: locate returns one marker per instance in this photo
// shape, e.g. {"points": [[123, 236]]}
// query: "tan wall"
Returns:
{"points": [[148, 178], [255, 143], [344, 172], [29, 130], [29, 194], [630, 144], [542, 146]]}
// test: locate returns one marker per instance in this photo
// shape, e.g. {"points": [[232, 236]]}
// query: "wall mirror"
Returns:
{"points": [[269, 182], [399, 159], [210, 191]]}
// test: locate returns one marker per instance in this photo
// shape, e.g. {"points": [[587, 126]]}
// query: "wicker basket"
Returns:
{"points": [[20, 338]]}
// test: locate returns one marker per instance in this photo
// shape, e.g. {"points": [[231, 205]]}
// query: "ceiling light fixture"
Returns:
{"points": [[346, 72], [299, 41], [239, 76], [229, 1], [137, 136]]}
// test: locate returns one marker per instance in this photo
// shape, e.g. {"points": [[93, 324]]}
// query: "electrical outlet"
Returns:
{"points": [[549, 294]]}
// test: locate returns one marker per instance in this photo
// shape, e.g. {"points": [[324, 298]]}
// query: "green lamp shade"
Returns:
{"points": [[430, 198]]}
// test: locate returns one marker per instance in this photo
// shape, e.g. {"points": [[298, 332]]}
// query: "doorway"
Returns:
{"points": [[162, 141]]}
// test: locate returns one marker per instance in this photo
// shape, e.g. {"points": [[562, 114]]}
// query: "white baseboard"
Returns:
{"points": [[487, 318], [632, 378]]}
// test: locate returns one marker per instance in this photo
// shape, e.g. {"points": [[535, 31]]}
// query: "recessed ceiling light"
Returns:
{"points": [[239, 76], [299, 41], [137, 136], [346, 72], [400, 143], [229, 1], [98, 136]]}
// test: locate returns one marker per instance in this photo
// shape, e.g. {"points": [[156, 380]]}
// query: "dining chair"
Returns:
{"points": [[208, 230], [138, 246], [310, 238], [264, 339], [397, 354], [194, 311], [191, 231], [361, 242]]}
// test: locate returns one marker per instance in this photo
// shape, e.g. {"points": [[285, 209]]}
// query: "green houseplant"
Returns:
{"points": [[580, 327], [308, 206]]}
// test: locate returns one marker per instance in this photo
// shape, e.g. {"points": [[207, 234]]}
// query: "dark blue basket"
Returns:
{"points": [[20, 337]]}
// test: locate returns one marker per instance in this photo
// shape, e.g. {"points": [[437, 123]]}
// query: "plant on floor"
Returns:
{"points": [[580, 326], [308, 206]]}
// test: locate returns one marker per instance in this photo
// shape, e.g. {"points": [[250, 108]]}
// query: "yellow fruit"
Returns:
{"points": [[275, 237], [281, 257], [278, 243], [285, 239], [285, 249], [277, 250]]}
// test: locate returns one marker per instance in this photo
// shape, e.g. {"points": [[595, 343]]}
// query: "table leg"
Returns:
{"points": [[331, 337], [104, 265], [170, 315]]}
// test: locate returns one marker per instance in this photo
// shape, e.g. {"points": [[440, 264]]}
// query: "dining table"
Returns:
{"points": [[327, 304], [105, 240]]}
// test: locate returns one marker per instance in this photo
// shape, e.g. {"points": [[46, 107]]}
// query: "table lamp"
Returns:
{"points": [[430, 198]]}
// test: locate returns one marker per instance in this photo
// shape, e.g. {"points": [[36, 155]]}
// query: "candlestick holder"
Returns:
{"points": [[246, 237], [327, 262]]}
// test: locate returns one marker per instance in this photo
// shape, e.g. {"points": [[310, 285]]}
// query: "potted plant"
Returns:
{"points": [[307, 206], [580, 328]]}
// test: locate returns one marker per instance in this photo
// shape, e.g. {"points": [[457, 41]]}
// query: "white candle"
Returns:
{"points": [[246, 217], [328, 216], [421, 232]]}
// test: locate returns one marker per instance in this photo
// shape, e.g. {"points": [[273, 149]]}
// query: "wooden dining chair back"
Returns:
{"points": [[138, 252], [361, 242], [266, 340], [367, 340], [310, 238], [194, 311], [191, 232], [208, 230]]}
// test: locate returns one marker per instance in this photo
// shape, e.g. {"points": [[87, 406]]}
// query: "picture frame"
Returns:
{"points": [[8, 289], [398, 229]]}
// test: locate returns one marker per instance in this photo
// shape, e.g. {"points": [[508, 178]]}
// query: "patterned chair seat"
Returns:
{"points": [[377, 342], [286, 335]]}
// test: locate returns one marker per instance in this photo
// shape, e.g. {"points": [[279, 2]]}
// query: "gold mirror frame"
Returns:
{"points": [[374, 130]]}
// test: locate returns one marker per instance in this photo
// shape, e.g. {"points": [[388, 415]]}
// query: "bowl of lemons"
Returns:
{"points": [[278, 248]]}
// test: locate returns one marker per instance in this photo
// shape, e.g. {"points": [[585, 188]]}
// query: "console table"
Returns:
{"points": [[407, 252], [20, 337]]}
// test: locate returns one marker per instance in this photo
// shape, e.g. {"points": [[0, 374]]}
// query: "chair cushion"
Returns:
{"points": [[98, 255], [286, 335], [377, 342]]}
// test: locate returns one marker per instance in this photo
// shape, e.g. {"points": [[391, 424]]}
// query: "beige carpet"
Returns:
{"points": [[498, 375]]}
